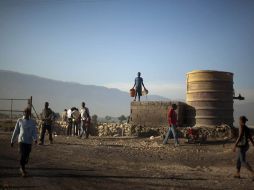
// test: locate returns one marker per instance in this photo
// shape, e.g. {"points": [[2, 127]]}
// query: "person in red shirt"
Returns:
{"points": [[172, 122]]}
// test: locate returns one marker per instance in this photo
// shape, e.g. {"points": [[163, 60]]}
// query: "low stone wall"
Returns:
{"points": [[204, 133], [127, 129]]}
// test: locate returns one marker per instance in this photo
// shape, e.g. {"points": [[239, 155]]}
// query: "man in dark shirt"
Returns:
{"points": [[242, 143], [47, 117], [138, 84]]}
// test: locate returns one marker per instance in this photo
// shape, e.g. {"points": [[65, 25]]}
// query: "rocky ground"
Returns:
{"points": [[122, 163]]}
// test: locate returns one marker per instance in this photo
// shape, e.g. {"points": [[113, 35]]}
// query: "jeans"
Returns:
{"points": [[76, 125], [24, 151], [69, 127], [173, 130], [84, 128], [241, 158], [43, 131]]}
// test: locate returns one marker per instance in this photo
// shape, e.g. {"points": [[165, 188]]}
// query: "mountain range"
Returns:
{"points": [[61, 95]]}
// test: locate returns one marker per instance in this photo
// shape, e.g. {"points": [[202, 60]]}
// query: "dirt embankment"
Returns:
{"points": [[122, 163]]}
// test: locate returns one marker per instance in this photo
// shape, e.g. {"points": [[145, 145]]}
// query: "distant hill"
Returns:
{"points": [[100, 100]]}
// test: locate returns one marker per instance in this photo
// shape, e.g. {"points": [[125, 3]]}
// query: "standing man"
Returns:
{"points": [[172, 122], [242, 143], [85, 120], [26, 131], [138, 84], [69, 120], [64, 115], [76, 121], [47, 117]]}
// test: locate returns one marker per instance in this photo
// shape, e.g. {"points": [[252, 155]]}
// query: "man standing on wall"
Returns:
{"points": [[138, 84], [47, 117], [172, 122]]}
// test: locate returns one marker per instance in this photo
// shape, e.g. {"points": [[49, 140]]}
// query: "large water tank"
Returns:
{"points": [[210, 98]]}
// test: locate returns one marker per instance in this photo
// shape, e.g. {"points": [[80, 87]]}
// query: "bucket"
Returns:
{"points": [[144, 92], [132, 92]]}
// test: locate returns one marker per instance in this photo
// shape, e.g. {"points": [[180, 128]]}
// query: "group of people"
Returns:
{"points": [[78, 121], [26, 132], [26, 129]]}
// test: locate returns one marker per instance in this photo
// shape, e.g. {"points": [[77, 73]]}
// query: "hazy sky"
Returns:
{"points": [[106, 42]]}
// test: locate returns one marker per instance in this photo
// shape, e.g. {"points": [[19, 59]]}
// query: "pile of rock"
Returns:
{"points": [[115, 129], [217, 132], [126, 129], [58, 127]]}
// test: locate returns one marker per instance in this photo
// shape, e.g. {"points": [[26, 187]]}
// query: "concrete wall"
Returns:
{"points": [[154, 113]]}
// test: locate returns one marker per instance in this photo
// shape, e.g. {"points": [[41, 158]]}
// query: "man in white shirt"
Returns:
{"points": [[69, 120], [85, 120], [76, 122], [26, 132]]}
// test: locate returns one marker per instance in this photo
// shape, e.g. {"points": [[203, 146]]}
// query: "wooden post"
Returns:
{"points": [[29, 105], [11, 110]]}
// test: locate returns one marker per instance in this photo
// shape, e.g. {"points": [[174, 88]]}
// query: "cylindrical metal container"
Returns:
{"points": [[210, 98]]}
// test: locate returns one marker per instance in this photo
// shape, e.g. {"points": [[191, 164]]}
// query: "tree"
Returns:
{"points": [[108, 118], [122, 118]]}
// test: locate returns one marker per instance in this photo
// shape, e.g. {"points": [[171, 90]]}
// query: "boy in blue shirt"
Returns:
{"points": [[138, 84]]}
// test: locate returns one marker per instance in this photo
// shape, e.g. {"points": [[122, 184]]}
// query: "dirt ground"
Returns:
{"points": [[122, 163]]}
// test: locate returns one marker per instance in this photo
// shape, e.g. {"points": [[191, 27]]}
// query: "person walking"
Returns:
{"points": [[138, 84], [26, 131], [172, 122], [85, 120], [242, 143], [47, 117]]}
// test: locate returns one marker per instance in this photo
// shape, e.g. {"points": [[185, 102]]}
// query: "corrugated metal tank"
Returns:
{"points": [[210, 98]]}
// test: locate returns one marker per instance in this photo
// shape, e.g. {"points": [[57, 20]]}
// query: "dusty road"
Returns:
{"points": [[107, 163]]}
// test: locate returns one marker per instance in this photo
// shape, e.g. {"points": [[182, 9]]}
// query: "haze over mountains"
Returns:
{"points": [[100, 100]]}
